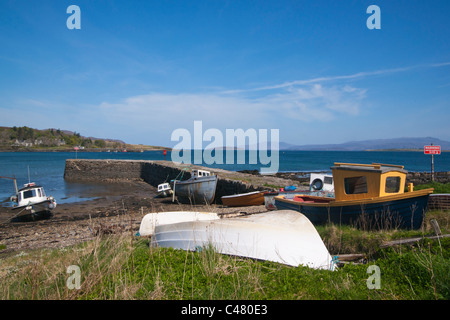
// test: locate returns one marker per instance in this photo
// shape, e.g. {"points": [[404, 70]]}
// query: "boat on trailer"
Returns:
{"points": [[366, 195]]}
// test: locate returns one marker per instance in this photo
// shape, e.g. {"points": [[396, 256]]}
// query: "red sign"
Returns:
{"points": [[76, 148], [432, 150], [164, 152]]}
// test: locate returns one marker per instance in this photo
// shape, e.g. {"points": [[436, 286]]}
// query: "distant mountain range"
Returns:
{"points": [[377, 144]]}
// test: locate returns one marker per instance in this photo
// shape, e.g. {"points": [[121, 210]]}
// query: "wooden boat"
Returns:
{"points": [[151, 220], [366, 195], [269, 196], [164, 190], [31, 200], [255, 198], [200, 188], [286, 237]]}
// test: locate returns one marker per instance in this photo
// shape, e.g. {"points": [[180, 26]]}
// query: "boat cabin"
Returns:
{"points": [[163, 187], [200, 173], [30, 193], [362, 181], [321, 182]]}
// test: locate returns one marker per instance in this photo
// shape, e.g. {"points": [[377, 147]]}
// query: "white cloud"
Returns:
{"points": [[151, 118], [170, 111]]}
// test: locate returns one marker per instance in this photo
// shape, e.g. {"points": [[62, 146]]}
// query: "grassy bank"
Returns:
{"points": [[438, 187], [122, 266]]}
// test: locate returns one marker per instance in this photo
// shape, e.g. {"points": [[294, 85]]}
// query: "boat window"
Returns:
{"points": [[328, 180], [355, 185], [392, 184], [39, 192], [29, 194], [43, 192]]}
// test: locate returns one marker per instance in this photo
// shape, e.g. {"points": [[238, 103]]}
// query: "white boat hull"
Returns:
{"points": [[285, 236], [151, 220], [35, 208]]}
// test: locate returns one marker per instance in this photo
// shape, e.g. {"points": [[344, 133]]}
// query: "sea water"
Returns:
{"points": [[47, 168]]}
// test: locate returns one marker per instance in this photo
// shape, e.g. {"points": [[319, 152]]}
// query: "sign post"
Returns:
{"points": [[164, 153], [76, 152], [432, 150]]}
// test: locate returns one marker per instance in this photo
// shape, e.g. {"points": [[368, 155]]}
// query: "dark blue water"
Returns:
{"points": [[47, 168]]}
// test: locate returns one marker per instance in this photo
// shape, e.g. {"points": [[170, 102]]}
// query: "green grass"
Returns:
{"points": [[122, 266], [438, 187]]}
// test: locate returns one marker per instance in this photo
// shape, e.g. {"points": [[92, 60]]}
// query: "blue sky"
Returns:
{"points": [[138, 70]]}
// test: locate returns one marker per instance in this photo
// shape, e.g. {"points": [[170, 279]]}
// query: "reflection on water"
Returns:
{"points": [[75, 192]]}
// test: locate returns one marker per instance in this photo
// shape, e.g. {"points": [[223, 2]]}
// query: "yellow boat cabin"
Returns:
{"points": [[369, 195], [363, 181]]}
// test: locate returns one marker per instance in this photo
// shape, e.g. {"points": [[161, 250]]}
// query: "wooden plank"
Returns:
{"points": [[411, 240], [351, 256]]}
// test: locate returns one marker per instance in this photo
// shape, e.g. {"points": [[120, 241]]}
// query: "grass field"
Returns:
{"points": [[123, 266]]}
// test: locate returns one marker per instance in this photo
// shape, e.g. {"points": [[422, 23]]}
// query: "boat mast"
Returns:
{"points": [[15, 182]]}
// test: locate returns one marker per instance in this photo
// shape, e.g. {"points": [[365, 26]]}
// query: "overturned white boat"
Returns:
{"points": [[285, 236], [151, 220]]}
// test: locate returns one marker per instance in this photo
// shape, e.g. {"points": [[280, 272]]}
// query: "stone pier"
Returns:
{"points": [[156, 172]]}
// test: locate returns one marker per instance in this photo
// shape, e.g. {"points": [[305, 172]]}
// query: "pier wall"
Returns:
{"points": [[229, 182], [156, 172]]}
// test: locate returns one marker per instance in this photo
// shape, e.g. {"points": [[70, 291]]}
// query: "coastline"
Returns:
{"points": [[130, 149], [121, 211], [126, 201]]}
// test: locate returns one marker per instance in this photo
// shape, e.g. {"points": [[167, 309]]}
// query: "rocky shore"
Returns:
{"points": [[126, 203], [121, 211]]}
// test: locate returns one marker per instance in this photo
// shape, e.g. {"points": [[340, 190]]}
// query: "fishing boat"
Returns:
{"points": [[285, 236], [32, 200], [164, 190], [365, 195], [151, 220], [200, 188], [255, 198]]}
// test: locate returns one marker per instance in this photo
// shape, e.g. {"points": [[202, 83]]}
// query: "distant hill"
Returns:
{"points": [[376, 144], [25, 138]]}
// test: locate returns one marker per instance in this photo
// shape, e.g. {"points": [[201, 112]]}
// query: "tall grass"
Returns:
{"points": [[122, 266]]}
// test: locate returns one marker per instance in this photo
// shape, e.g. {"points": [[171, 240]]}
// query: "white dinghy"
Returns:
{"points": [[151, 220], [284, 236]]}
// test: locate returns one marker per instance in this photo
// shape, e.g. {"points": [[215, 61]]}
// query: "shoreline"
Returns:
{"points": [[124, 204], [133, 150], [160, 148], [73, 223]]}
